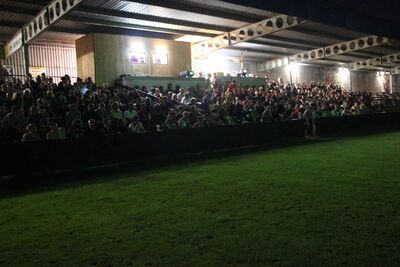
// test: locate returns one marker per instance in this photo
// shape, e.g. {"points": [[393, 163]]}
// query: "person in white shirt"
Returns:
{"points": [[186, 99], [180, 95]]}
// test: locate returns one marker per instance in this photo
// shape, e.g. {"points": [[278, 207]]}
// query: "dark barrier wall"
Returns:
{"points": [[358, 124], [24, 158], [86, 152]]}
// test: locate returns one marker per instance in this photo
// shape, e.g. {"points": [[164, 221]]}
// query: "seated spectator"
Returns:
{"points": [[116, 118], [75, 130], [171, 122], [91, 129], [184, 121], [72, 115], [31, 134], [130, 113], [102, 113], [201, 122], [14, 124], [54, 132], [40, 121], [136, 126], [186, 99], [90, 113]]}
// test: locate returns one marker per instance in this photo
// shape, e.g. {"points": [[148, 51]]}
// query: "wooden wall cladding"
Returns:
{"points": [[112, 56], [85, 57]]}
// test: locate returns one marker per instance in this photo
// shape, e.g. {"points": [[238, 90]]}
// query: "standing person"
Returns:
{"points": [[307, 115], [310, 117], [314, 116]]}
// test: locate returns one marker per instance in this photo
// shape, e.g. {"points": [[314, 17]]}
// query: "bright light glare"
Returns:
{"points": [[293, 68], [161, 49], [191, 38], [344, 74]]}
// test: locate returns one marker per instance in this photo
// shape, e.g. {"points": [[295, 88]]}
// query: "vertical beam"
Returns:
{"points": [[351, 80], [1, 52], [25, 48]]}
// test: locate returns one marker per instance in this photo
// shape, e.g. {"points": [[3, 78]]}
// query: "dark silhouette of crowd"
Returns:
{"points": [[39, 109]]}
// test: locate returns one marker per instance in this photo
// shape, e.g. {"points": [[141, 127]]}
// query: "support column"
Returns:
{"points": [[391, 83], [26, 58], [351, 80]]}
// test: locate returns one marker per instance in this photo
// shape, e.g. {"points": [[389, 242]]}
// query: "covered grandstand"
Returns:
{"points": [[199, 133], [42, 35]]}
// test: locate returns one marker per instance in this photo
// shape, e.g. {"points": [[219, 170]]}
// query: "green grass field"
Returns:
{"points": [[332, 203]]}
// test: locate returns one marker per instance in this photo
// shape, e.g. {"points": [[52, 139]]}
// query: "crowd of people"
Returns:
{"points": [[39, 109]]}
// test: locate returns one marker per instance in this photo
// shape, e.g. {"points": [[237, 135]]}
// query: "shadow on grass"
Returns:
{"points": [[48, 181]]}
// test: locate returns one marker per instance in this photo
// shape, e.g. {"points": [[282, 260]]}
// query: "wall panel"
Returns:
{"points": [[17, 61], [85, 56], [57, 60], [111, 57]]}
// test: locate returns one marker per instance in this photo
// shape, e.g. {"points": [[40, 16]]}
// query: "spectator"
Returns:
{"points": [[130, 113], [72, 115], [90, 113], [91, 129], [54, 132], [116, 118], [200, 122], [31, 134], [136, 126], [14, 124], [171, 122], [184, 121]]}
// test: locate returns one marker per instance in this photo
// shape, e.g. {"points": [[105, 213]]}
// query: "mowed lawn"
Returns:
{"points": [[334, 203]]}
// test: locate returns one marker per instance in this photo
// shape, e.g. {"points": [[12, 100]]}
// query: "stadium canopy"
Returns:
{"points": [[289, 29]]}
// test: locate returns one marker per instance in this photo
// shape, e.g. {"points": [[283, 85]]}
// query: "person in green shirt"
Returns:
{"points": [[54, 132], [335, 111]]}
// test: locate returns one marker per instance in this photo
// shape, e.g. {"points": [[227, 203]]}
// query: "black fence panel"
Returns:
{"points": [[24, 158], [358, 124]]}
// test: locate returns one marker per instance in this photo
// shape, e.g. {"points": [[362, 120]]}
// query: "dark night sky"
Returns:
{"points": [[389, 9]]}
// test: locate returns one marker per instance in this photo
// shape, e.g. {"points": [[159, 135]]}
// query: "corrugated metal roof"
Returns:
{"points": [[301, 38], [20, 4], [240, 8], [60, 37], [133, 21], [163, 12], [13, 17]]}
